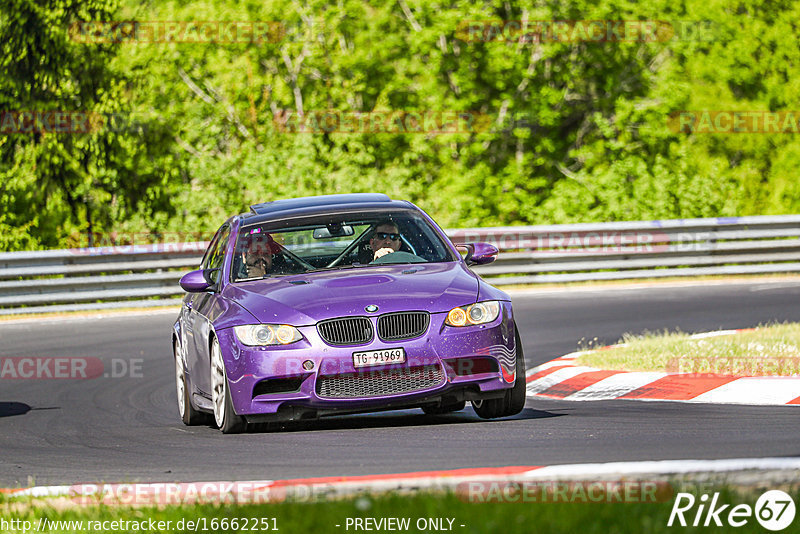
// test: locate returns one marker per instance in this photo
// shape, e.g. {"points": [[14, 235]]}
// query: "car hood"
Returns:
{"points": [[305, 299]]}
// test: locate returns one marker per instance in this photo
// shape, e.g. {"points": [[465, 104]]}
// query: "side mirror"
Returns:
{"points": [[195, 282], [480, 253]]}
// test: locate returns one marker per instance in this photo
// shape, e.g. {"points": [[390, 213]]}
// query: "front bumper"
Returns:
{"points": [[443, 366]]}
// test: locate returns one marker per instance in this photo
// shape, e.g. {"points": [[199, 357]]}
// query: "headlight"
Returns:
{"points": [[267, 334], [478, 313]]}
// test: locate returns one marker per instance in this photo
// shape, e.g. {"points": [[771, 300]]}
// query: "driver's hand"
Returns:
{"points": [[383, 252]]}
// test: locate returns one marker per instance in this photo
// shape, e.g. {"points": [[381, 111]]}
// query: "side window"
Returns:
{"points": [[211, 246], [216, 253]]}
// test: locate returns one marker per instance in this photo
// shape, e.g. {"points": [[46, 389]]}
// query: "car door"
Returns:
{"points": [[198, 322]]}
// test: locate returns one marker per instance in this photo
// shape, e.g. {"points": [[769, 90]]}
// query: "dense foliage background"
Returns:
{"points": [[579, 129]]}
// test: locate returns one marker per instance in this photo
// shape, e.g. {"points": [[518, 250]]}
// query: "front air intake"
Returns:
{"points": [[346, 331], [402, 325], [380, 383]]}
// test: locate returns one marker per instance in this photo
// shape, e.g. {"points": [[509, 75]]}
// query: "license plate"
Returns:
{"points": [[379, 357]]}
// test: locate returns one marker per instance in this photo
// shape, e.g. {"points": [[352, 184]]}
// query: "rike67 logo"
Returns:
{"points": [[774, 510]]}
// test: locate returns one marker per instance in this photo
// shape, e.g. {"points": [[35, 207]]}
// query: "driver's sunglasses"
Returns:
{"points": [[384, 235]]}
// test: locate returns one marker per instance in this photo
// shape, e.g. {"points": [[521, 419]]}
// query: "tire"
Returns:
{"points": [[447, 408], [224, 414], [518, 394], [490, 408], [189, 415], [513, 401]]}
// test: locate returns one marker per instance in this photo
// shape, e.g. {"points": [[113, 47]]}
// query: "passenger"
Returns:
{"points": [[258, 255]]}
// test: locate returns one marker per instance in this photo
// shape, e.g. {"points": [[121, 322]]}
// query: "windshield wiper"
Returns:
{"points": [[339, 267]]}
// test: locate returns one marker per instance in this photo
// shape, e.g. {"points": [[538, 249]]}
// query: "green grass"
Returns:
{"points": [[322, 517], [772, 350]]}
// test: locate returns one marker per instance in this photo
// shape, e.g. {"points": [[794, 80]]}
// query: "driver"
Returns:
{"points": [[385, 239]]}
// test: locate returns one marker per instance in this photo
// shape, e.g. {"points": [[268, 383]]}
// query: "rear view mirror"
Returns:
{"points": [[333, 230]]}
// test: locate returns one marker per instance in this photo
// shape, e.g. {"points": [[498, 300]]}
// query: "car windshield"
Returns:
{"points": [[335, 241]]}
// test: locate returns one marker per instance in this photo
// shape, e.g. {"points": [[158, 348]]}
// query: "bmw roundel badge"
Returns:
{"points": [[372, 308]]}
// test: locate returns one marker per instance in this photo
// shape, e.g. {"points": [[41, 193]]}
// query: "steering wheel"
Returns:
{"points": [[357, 242]]}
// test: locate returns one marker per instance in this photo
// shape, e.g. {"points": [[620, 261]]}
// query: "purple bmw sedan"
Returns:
{"points": [[339, 304]]}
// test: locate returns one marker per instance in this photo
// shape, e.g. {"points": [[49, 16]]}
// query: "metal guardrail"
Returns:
{"points": [[147, 275], [95, 278]]}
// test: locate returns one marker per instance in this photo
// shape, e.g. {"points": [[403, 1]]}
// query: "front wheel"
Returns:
{"points": [[519, 392], [513, 401], [224, 415]]}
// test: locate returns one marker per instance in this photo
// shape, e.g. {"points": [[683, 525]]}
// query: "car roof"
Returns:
{"points": [[299, 207]]}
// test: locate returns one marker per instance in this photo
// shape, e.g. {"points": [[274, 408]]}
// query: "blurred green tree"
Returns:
{"points": [[576, 130]]}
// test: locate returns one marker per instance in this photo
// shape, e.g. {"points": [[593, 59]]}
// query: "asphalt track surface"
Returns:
{"points": [[127, 429]]}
